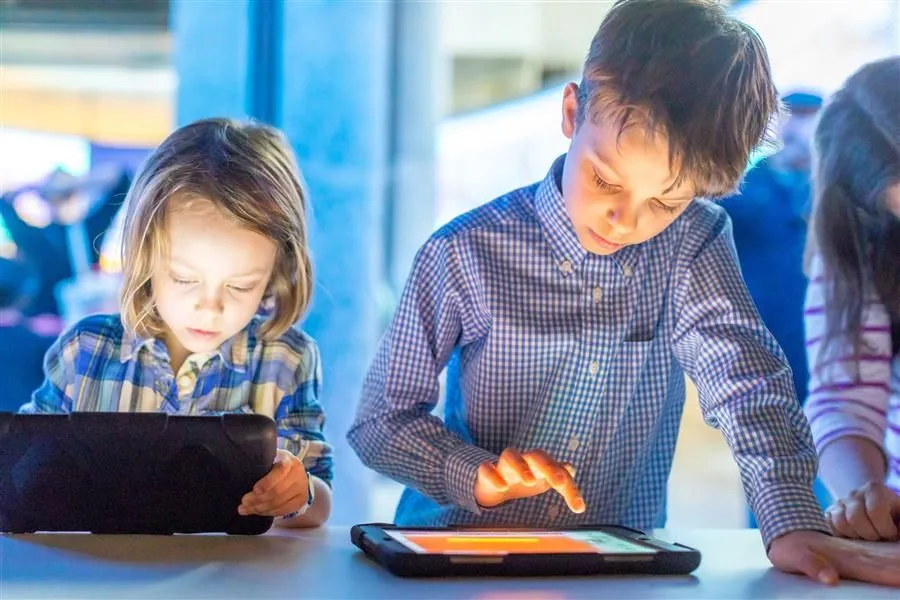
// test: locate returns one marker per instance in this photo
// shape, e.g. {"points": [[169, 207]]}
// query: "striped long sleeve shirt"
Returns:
{"points": [[849, 394]]}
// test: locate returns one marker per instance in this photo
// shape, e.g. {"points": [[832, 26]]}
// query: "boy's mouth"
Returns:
{"points": [[603, 242]]}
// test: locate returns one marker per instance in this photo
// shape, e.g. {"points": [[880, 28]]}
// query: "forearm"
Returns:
{"points": [[850, 462], [417, 450], [317, 514]]}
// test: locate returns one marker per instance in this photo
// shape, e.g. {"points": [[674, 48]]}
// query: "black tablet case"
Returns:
{"points": [[393, 556], [136, 473]]}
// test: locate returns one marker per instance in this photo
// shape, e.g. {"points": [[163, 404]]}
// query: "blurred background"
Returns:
{"points": [[403, 115]]}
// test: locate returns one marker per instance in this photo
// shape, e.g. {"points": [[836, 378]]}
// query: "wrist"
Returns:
{"points": [[310, 499]]}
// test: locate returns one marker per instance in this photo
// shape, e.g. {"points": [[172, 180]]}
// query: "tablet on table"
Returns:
{"points": [[594, 550], [147, 473]]}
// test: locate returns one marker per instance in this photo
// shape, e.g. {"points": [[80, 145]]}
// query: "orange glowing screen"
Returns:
{"points": [[507, 542]]}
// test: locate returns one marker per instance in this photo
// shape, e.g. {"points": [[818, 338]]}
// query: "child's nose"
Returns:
{"points": [[211, 302], [621, 218]]}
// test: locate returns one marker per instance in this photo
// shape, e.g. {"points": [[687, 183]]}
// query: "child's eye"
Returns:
{"points": [[602, 183], [242, 290], [665, 207], [178, 281]]}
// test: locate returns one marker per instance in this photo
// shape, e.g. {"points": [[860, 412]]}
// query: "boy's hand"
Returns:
{"points": [[521, 475], [827, 559], [870, 513], [284, 490]]}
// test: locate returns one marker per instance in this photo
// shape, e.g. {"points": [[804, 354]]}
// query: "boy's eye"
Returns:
{"points": [[602, 183], [665, 207]]}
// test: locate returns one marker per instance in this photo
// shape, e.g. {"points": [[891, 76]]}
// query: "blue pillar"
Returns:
{"points": [[334, 108], [325, 73], [211, 57]]}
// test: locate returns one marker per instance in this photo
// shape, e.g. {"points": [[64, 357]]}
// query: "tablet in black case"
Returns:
{"points": [[589, 550], [135, 473]]}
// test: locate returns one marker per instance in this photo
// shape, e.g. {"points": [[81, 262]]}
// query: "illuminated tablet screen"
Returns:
{"points": [[489, 541]]}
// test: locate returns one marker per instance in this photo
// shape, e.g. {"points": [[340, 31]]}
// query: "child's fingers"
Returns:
{"points": [[514, 468], [880, 510], [490, 475], [858, 518], [838, 523], [572, 495], [541, 463], [292, 479], [278, 472], [269, 507], [559, 477]]}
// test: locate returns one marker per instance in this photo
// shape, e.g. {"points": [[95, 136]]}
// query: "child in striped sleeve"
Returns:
{"points": [[853, 304]]}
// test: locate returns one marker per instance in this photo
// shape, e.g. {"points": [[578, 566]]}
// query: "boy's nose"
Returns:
{"points": [[621, 218]]}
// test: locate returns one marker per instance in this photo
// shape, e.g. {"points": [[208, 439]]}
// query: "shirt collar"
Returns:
{"points": [[234, 352], [550, 207]]}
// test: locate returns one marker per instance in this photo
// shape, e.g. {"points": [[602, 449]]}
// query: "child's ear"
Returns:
{"points": [[570, 110]]}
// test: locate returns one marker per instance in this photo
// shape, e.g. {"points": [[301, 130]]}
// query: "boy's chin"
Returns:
{"points": [[594, 247]]}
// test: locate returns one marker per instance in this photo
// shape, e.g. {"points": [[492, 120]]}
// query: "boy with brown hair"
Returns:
{"points": [[570, 310]]}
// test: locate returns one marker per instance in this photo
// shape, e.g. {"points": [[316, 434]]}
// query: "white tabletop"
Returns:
{"points": [[324, 564]]}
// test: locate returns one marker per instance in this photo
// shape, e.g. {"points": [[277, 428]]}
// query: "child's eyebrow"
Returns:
{"points": [[252, 273], [598, 158]]}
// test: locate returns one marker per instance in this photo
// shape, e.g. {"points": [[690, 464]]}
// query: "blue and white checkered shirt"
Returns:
{"points": [[97, 366], [580, 355]]}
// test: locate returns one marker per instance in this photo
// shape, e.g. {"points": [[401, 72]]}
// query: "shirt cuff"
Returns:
{"points": [[460, 473], [786, 507]]}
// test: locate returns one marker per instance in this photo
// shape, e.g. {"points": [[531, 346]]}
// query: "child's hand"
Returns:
{"points": [[521, 475], [870, 513], [284, 490], [827, 559]]}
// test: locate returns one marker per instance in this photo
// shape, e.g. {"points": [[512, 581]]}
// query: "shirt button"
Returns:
{"points": [[553, 512], [597, 295], [574, 442], [594, 367], [626, 271], [565, 266]]}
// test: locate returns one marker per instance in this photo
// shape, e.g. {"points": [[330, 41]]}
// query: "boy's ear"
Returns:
{"points": [[570, 110]]}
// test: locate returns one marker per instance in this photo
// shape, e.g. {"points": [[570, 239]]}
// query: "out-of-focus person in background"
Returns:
{"points": [[21, 348], [853, 303], [770, 217]]}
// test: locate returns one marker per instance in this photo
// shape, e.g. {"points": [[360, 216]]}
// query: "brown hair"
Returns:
{"points": [[248, 172], [856, 158], [689, 71]]}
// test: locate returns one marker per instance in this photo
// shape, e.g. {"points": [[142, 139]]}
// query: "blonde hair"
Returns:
{"points": [[248, 172]]}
